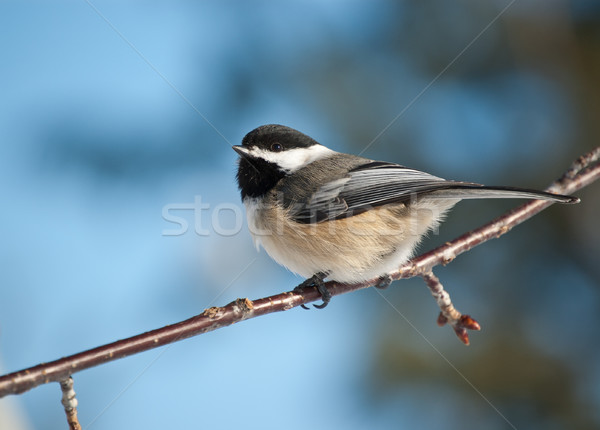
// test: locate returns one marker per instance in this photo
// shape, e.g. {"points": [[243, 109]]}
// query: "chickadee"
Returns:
{"points": [[325, 214]]}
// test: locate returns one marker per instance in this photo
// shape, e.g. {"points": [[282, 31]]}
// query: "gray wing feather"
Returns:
{"points": [[379, 183], [373, 184]]}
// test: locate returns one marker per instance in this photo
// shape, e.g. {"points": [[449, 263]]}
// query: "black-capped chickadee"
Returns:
{"points": [[325, 214]]}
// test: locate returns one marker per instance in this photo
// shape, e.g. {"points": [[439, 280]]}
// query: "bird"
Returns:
{"points": [[324, 214]]}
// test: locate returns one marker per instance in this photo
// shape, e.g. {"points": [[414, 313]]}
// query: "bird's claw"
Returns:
{"points": [[325, 294], [317, 282], [384, 282]]}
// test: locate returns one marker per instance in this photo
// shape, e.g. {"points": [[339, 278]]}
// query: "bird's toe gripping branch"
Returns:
{"points": [[316, 281], [448, 314]]}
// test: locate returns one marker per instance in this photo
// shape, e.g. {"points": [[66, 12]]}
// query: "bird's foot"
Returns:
{"points": [[384, 282], [316, 281]]}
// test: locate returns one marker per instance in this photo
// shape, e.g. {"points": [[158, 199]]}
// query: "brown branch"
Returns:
{"points": [[448, 313], [69, 402], [581, 174]]}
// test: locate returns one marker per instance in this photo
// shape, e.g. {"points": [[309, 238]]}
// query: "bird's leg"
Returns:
{"points": [[316, 281], [384, 282]]}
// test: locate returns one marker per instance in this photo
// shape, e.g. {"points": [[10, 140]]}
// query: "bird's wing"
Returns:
{"points": [[367, 186], [378, 183]]}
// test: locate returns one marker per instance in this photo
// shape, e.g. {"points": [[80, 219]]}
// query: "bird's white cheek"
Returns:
{"points": [[293, 159]]}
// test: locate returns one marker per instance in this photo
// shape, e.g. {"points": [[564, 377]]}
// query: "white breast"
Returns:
{"points": [[252, 215]]}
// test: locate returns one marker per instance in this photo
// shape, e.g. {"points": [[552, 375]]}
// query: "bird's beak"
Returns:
{"points": [[244, 152]]}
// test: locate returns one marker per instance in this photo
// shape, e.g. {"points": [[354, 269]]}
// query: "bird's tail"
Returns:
{"points": [[475, 191]]}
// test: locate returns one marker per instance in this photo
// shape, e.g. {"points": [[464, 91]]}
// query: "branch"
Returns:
{"points": [[69, 402], [582, 173], [448, 313]]}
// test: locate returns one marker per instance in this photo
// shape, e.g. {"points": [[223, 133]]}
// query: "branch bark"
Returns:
{"points": [[69, 402], [448, 313], [583, 172]]}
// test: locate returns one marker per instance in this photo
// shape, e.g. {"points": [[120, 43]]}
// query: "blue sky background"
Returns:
{"points": [[95, 141]]}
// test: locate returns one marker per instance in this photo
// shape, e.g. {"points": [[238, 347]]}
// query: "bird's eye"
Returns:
{"points": [[276, 147]]}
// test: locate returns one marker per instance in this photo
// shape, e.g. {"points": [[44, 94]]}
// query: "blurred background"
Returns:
{"points": [[111, 111]]}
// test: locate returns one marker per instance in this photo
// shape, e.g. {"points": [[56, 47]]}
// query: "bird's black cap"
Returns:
{"points": [[266, 135]]}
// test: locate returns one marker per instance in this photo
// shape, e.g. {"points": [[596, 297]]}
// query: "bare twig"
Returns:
{"points": [[69, 402], [448, 313], [581, 174]]}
